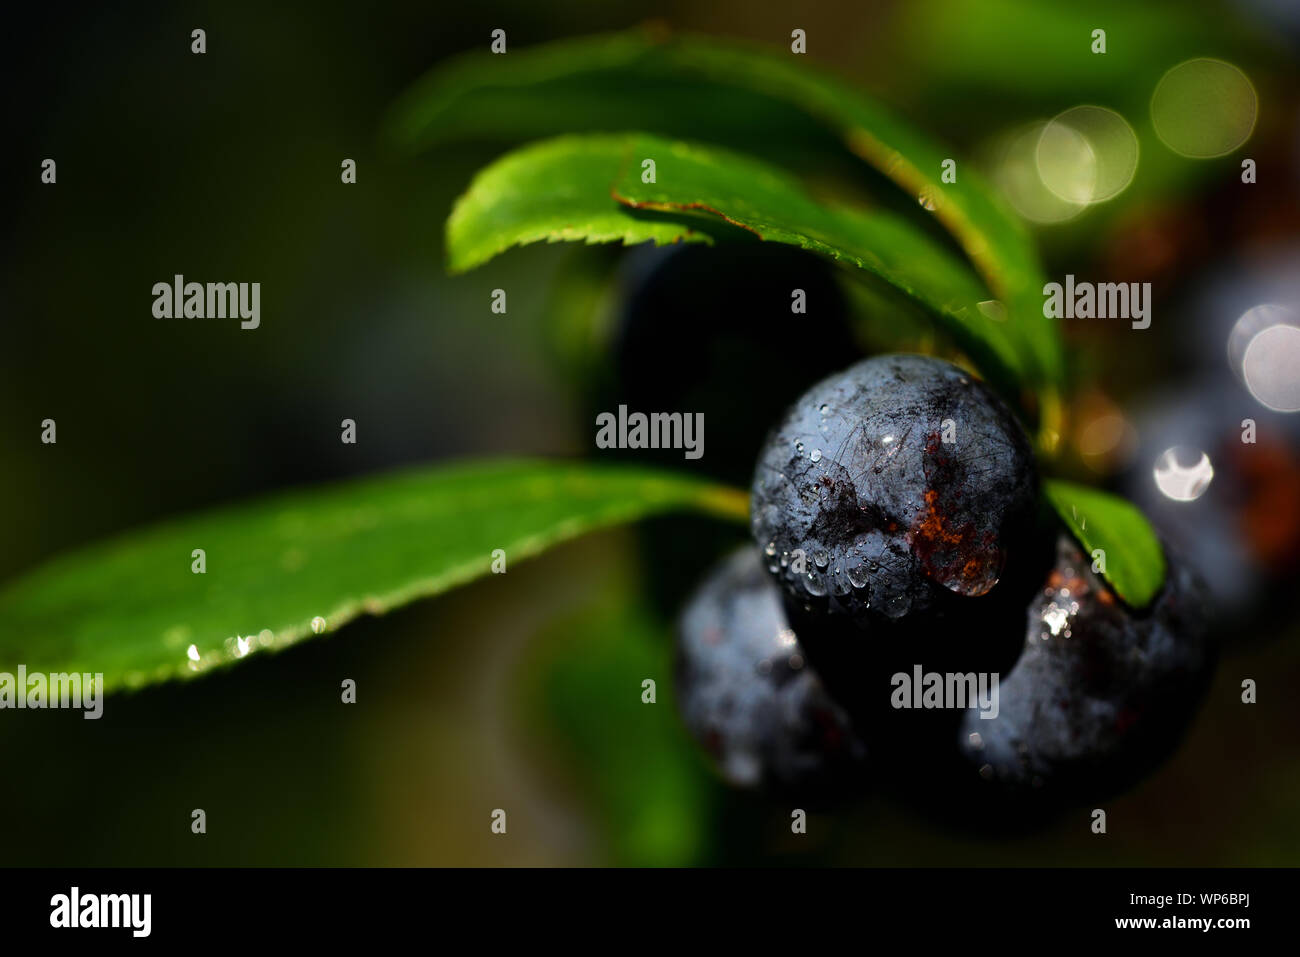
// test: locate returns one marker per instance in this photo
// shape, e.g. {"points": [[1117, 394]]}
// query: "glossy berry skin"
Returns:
{"points": [[1100, 694], [907, 485], [747, 694]]}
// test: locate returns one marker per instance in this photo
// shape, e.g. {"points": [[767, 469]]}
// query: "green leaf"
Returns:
{"points": [[1135, 562], [742, 96], [598, 84], [133, 610], [554, 191], [590, 188]]}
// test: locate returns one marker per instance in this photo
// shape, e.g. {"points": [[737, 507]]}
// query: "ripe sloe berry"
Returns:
{"points": [[747, 694], [900, 487], [707, 330], [1101, 693]]}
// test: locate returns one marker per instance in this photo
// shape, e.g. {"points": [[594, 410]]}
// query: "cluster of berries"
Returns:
{"points": [[898, 531]]}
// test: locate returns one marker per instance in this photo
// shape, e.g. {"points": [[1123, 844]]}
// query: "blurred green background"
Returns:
{"points": [[520, 692]]}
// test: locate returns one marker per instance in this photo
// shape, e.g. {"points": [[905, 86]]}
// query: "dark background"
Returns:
{"points": [[513, 693]]}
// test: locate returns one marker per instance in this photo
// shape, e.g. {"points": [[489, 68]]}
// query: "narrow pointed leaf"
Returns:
{"points": [[285, 568], [590, 188], [743, 96]]}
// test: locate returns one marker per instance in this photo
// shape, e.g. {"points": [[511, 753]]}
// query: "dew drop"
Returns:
{"points": [[821, 559], [897, 606], [816, 455], [858, 576], [318, 624]]}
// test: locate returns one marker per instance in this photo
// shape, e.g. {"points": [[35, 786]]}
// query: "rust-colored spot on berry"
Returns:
{"points": [[951, 552]]}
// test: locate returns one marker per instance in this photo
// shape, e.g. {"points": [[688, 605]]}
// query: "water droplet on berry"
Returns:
{"points": [[814, 585], [816, 455], [897, 606]]}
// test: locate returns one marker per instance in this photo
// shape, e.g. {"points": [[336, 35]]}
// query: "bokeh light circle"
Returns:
{"points": [[1250, 324], [1183, 473], [1204, 108], [1264, 353], [1016, 175], [1088, 154], [1066, 163], [1271, 368]]}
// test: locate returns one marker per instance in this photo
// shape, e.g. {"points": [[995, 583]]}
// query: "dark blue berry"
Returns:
{"points": [[748, 695], [900, 488], [709, 330], [1100, 693]]}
